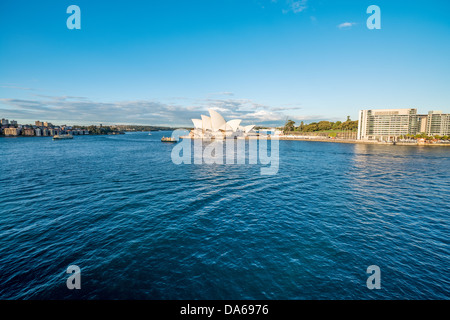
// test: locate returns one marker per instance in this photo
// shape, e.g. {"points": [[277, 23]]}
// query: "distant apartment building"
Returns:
{"points": [[11, 132], [422, 123], [389, 124], [437, 123], [39, 129], [386, 124], [43, 124], [28, 132]]}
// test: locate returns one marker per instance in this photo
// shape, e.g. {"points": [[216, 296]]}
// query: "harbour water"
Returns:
{"points": [[141, 227]]}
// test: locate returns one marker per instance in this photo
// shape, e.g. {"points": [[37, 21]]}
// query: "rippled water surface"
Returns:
{"points": [[141, 227]]}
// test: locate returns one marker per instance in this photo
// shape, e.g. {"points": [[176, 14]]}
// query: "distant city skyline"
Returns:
{"points": [[262, 61]]}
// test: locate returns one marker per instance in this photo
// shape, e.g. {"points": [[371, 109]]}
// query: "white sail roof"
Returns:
{"points": [[206, 122], [197, 123], [249, 128], [217, 121], [234, 124]]}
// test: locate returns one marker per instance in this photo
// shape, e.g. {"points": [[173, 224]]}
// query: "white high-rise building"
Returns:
{"points": [[389, 124], [437, 123], [386, 124]]}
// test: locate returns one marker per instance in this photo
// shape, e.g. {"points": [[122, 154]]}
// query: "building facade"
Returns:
{"points": [[40, 129], [389, 124], [437, 123], [386, 124], [11, 132], [28, 132]]}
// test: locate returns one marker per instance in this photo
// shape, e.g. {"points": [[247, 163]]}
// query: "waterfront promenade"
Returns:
{"points": [[340, 140]]}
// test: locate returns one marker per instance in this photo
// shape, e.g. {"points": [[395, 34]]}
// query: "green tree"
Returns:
{"points": [[337, 125], [289, 126], [312, 127], [324, 125]]}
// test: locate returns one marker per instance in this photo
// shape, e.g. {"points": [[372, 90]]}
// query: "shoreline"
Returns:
{"points": [[352, 141], [349, 141], [76, 135], [283, 138]]}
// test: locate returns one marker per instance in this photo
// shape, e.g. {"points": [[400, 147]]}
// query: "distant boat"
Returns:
{"points": [[149, 133], [62, 136], [168, 139]]}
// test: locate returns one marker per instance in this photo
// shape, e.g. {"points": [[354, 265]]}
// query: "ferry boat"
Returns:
{"points": [[168, 139], [62, 136]]}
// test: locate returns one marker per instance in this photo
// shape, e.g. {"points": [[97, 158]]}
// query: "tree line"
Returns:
{"points": [[423, 136], [99, 130], [348, 125]]}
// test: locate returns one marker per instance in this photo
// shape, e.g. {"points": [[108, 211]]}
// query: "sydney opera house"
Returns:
{"points": [[215, 127]]}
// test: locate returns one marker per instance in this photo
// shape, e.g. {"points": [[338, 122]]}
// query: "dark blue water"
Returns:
{"points": [[140, 227]]}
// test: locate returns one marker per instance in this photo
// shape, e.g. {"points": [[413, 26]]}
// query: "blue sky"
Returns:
{"points": [[164, 62]]}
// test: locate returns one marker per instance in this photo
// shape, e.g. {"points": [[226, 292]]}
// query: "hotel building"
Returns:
{"points": [[437, 123], [389, 124]]}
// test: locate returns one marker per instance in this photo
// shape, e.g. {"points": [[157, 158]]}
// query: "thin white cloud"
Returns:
{"points": [[224, 93], [81, 110], [346, 25], [299, 6], [296, 6], [286, 6], [15, 87]]}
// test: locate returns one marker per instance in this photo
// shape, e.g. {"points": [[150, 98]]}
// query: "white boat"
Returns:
{"points": [[62, 136]]}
